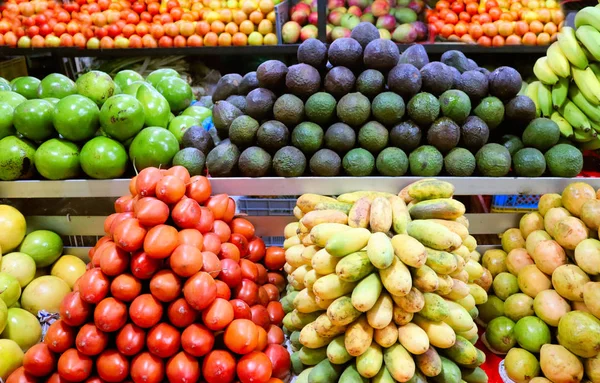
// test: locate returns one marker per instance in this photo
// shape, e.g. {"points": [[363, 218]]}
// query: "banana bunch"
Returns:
{"points": [[384, 288]]}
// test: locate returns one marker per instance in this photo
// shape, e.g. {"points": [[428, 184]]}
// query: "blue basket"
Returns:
{"points": [[515, 203], [273, 241], [266, 206]]}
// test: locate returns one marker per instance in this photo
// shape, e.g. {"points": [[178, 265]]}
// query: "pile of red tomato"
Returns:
{"points": [[175, 291]]}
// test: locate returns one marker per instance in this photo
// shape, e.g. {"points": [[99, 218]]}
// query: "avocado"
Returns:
{"points": [[373, 136], [529, 162], [474, 133], [227, 85], [474, 84], [444, 134], [371, 82], [388, 108], [289, 109], [564, 160], [242, 131], [249, 82], [223, 115], [339, 81], [364, 33], [354, 109], [483, 71], [381, 54], [238, 101], [312, 52], [271, 74], [345, 52], [493, 160], [259, 103], [340, 138], [289, 162], [205, 101], [272, 136], [541, 133], [436, 78], [320, 108], [358, 163], [456, 105], [197, 137], [423, 108], [512, 143], [405, 79], [406, 136], [254, 162], [392, 162], [455, 59], [425, 161], [307, 137], [414, 55], [192, 159], [490, 110], [505, 83], [459, 162], [221, 161], [520, 111], [455, 77], [472, 64], [325, 163], [303, 80]]}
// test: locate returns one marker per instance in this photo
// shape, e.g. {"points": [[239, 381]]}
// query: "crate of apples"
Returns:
{"points": [[497, 22]]}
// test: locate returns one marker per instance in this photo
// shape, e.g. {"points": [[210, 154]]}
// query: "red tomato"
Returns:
{"points": [[197, 340], [211, 243], [90, 340], [145, 311], [112, 366], [180, 172], [125, 287], [147, 368], [186, 214], [219, 367], [272, 291], [130, 340], [170, 189], [223, 291], [230, 251], [276, 312], [183, 368], [275, 258], [263, 277], [114, 260], [280, 360], [241, 242], [218, 204], [124, 204], [275, 335], [218, 315], [262, 339], [39, 360], [211, 263], [180, 313], [256, 249], [254, 368], [243, 226], [241, 310], [59, 336], [151, 211], [110, 315], [231, 273], [93, 286], [186, 260], [117, 219], [163, 340], [74, 366], [73, 310], [277, 280], [263, 296], [199, 189], [206, 222], [191, 237], [21, 376], [247, 291], [165, 286], [229, 211], [160, 241], [260, 316], [249, 270], [147, 180], [200, 290], [241, 336], [143, 266], [222, 230], [56, 378], [133, 186]]}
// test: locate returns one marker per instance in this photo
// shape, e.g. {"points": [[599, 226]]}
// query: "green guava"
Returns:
{"points": [[103, 158]]}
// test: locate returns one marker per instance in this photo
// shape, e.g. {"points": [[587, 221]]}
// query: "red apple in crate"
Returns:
{"points": [[386, 22], [333, 4], [335, 18], [355, 10], [380, 8], [309, 32], [290, 32], [339, 32], [313, 18], [300, 16]]}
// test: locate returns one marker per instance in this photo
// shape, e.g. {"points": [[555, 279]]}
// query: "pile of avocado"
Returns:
{"points": [[358, 107]]}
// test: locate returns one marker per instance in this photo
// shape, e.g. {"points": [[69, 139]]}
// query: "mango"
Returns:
{"points": [[440, 334], [360, 213], [462, 352], [380, 251], [300, 320], [548, 201], [321, 233], [568, 281], [311, 339], [316, 217], [353, 197], [478, 293], [298, 212], [381, 314], [549, 306], [591, 297], [434, 235], [386, 336], [309, 279], [570, 232], [323, 262], [590, 214], [399, 363], [400, 215], [495, 261], [450, 372], [429, 362], [332, 287], [412, 302], [559, 365], [592, 368], [336, 351], [396, 278], [325, 328], [401, 317], [474, 375], [310, 202], [347, 242], [531, 222], [579, 332], [354, 267], [521, 365], [430, 189], [305, 302], [309, 252], [311, 357], [425, 279], [575, 195], [454, 226], [343, 207], [297, 276], [435, 308], [366, 293], [410, 251], [445, 284], [324, 372], [413, 338], [369, 363], [517, 259], [553, 217], [358, 336], [441, 262], [341, 312], [383, 376], [470, 242], [303, 374], [512, 239], [587, 255], [323, 303], [293, 256], [532, 281], [459, 318], [290, 230], [351, 375], [548, 255], [440, 208], [380, 219]]}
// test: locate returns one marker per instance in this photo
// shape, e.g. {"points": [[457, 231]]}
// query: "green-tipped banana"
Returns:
{"points": [[532, 93], [559, 92], [582, 136], [557, 61], [545, 100], [590, 38], [543, 72], [595, 126], [575, 116], [590, 145], [588, 84], [590, 110], [595, 67], [565, 128], [588, 16], [570, 47]]}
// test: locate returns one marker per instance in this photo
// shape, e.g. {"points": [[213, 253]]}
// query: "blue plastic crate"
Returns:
{"points": [[266, 206], [273, 241], [515, 203]]}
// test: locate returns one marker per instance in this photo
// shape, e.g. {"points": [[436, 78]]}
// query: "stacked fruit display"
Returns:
{"points": [[497, 23], [302, 24], [174, 291], [544, 309], [367, 306], [574, 105], [136, 24]]}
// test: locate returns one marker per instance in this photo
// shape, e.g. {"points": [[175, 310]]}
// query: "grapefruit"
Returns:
{"points": [[11, 98], [12, 228], [10, 289], [23, 328], [43, 246], [57, 159], [11, 357], [103, 158], [153, 147], [26, 86], [19, 265], [177, 92], [76, 118], [44, 293], [126, 77], [56, 85], [122, 117], [158, 75], [33, 119], [68, 268], [96, 85]]}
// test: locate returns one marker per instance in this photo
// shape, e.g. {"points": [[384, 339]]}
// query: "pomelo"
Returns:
{"points": [[11, 357], [122, 117], [23, 328], [96, 85], [126, 77], [20, 266], [10, 289], [6, 120], [76, 118], [68, 268], [11, 98], [158, 75], [153, 146], [33, 119], [43, 246], [26, 86], [177, 92], [57, 159], [56, 85], [12, 228], [44, 293], [16, 158], [180, 124], [103, 158]]}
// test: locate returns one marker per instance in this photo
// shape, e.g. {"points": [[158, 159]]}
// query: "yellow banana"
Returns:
{"points": [[588, 84], [563, 125], [570, 47], [591, 111], [543, 72], [559, 92], [532, 93], [590, 38], [557, 61], [590, 145], [588, 16], [575, 116], [545, 100], [595, 67], [582, 136], [595, 126]]}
